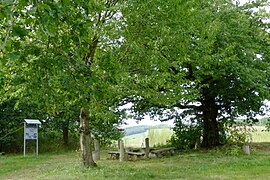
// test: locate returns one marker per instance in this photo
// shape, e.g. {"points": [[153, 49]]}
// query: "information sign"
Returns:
{"points": [[31, 132]]}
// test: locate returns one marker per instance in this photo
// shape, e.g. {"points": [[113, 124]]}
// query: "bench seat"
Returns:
{"points": [[163, 151], [135, 155], [130, 155], [114, 154]]}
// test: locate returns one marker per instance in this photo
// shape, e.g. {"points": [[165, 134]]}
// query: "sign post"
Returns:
{"points": [[30, 133]]}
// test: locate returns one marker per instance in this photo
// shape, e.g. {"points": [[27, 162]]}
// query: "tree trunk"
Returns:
{"points": [[210, 125], [85, 139], [65, 133]]}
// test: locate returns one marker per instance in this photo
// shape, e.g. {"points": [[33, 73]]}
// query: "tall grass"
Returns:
{"points": [[260, 134], [160, 136], [157, 137]]}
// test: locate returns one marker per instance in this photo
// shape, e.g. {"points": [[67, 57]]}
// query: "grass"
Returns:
{"points": [[214, 164], [193, 165]]}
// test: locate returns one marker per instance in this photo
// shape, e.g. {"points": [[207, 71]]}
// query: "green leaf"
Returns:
{"points": [[19, 31], [13, 56]]}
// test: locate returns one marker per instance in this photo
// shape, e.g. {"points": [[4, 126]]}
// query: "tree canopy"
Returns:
{"points": [[208, 58]]}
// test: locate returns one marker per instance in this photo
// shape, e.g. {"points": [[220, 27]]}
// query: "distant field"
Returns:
{"points": [[159, 136], [260, 135]]}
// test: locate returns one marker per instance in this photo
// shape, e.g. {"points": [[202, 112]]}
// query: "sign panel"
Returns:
{"points": [[31, 132]]}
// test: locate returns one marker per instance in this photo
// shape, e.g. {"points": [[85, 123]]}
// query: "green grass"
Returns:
{"points": [[196, 165]]}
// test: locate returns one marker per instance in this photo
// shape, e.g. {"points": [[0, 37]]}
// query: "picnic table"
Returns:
{"points": [[130, 155], [163, 151]]}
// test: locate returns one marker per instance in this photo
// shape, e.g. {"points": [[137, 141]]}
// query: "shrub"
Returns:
{"points": [[186, 136]]}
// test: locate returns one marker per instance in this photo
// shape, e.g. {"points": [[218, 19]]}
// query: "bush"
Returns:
{"points": [[240, 133], [186, 136]]}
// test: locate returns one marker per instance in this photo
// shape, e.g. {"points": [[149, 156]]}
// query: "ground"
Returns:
{"points": [[221, 163], [213, 164]]}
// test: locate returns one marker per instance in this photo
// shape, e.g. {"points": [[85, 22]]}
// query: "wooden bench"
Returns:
{"points": [[114, 154], [135, 155], [163, 151], [130, 155]]}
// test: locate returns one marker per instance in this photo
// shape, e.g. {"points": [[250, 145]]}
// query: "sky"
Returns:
{"points": [[148, 121]]}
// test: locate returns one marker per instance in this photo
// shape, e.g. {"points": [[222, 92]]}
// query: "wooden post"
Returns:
{"points": [[246, 149], [122, 151], [118, 144], [147, 148], [97, 150]]}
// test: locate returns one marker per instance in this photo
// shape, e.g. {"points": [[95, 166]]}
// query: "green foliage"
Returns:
{"points": [[208, 58], [240, 133], [11, 124], [267, 123], [186, 135], [59, 55], [233, 150]]}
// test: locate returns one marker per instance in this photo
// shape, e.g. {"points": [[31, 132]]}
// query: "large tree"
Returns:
{"points": [[208, 58], [59, 54]]}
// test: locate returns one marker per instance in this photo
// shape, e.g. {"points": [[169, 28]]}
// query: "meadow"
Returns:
{"points": [[159, 136], [212, 164], [220, 163], [260, 134]]}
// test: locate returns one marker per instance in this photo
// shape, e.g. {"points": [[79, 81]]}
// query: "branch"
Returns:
{"points": [[101, 19], [111, 3], [188, 107], [12, 132], [10, 23], [92, 50]]}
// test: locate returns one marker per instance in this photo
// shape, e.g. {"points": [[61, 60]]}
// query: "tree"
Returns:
{"points": [[208, 58], [60, 54]]}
